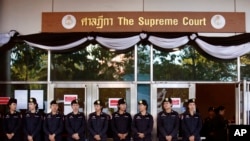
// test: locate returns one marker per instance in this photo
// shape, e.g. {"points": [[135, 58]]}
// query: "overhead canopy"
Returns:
{"points": [[218, 47]]}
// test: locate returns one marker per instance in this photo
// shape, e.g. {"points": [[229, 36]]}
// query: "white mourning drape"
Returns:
{"points": [[5, 37], [125, 43], [168, 43], [58, 48], [118, 43], [218, 51], [224, 52]]}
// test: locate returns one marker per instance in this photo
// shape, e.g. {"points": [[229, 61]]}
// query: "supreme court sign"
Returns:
{"points": [[143, 21]]}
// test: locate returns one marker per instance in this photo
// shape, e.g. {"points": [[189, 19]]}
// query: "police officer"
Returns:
{"points": [[53, 123], [32, 122], [168, 122], [208, 126], [75, 123], [191, 123], [221, 124], [98, 123], [121, 122], [12, 122], [142, 124]]}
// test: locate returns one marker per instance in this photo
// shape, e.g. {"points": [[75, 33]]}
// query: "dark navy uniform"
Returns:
{"points": [[220, 125], [142, 124], [168, 125], [209, 129], [191, 126], [53, 124], [98, 125], [12, 124], [121, 123], [32, 125], [75, 123]]}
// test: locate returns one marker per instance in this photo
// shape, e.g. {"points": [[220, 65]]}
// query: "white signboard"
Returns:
{"points": [[22, 98], [113, 102], [176, 102], [38, 95], [69, 97], [67, 109]]}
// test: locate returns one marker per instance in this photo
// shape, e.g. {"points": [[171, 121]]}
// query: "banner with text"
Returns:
{"points": [[143, 21]]}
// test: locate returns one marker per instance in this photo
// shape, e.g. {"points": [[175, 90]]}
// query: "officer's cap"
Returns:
{"points": [[143, 102], [121, 101], [32, 100], [98, 102], [211, 109], [221, 108], [75, 101], [53, 102], [167, 99], [192, 100], [11, 100]]}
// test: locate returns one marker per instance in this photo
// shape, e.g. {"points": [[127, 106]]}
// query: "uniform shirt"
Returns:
{"points": [[11, 123], [191, 126], [53, 124], [75, 123], [142, 124], [32, 125], [98, 125], [220, 128], [121, 123], [168, 124], [208, 127]]}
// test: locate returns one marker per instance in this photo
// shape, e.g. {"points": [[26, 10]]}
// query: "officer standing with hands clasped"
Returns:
{"points": [[121, 122], [75, 123], [191, 123], [168, 122], [32, 122], [53, 123], [142, 124], [12, 122], [98, 123]]}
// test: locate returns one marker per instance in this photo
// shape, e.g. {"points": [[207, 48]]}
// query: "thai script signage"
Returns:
{"points": [[143, 21]]}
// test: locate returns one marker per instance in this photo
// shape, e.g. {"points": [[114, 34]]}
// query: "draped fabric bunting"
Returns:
{"points": [[219, 47], [61, 47], [5, 37], [118, 43], [168, 43], [224, 52]]}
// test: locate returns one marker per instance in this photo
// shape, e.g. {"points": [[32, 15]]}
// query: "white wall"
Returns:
{"points": [[25, 15], [97, 5], [244, 6], [189, 5]]}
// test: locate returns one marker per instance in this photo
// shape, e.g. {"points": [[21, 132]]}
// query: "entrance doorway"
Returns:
{"points": [[217, 95]]}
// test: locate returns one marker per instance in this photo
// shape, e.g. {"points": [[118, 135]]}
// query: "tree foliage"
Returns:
{"points": [[189, 64], [95, 63]]}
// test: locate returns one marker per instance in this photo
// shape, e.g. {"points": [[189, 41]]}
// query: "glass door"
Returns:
{"points": [[64, 93], [179, 94], [110, 93]]}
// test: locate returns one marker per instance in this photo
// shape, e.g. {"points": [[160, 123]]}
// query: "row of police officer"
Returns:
{"points": [[122, 124]]}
